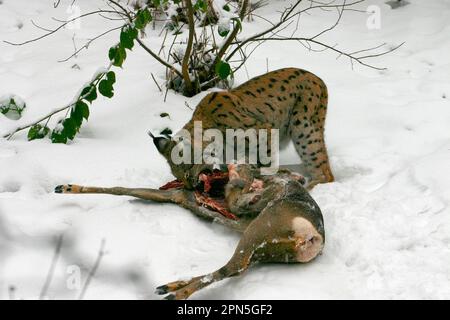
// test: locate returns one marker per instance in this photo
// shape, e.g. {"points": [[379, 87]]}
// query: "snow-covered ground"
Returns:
{"points": [[387, 216]]}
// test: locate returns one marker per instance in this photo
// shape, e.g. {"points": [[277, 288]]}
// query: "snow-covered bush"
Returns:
{"points": [[12, 106]]}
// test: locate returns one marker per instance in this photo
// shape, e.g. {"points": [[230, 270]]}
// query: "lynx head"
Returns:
{"points": [[188, 173]]}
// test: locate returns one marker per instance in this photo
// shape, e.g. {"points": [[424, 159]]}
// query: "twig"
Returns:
{"points": [[154, 55], [50, 32], [286, 15], [101, 253], [163, 42], [272, 34], [51, 271], [341, 53], [165, 95], [340, 13], [283, 18], [88, 43], [74, 45], [156, 82]]}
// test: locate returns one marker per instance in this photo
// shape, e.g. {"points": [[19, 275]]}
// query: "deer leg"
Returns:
{"points": [[184, 289], [174, 286], [142, 193], [251, 240], [183, 198]]}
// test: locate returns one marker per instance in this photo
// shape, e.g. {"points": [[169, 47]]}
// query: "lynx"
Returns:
{"points": [[294, 101]]}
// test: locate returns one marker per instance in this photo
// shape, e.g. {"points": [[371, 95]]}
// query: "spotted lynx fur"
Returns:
{"points": [[291, 100]]}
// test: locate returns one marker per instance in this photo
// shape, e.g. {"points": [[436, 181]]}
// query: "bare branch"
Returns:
{"points": [[288, 14], [156, 82], [160, 60], [352, 57], [285, 14], [340, 13], [52, 31], [88, 43]]}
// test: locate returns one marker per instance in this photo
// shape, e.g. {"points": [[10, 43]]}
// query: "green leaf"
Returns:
{"points": [[111, 77], [76, 116], [238, 23], [58, 137], [112, 53], [70, 128], [117, 55], [147, 15], [106, 89], [80, 111], [164, 115], [4, 109], [127, 36], [38, 132], [201, 5], [133, 32], [143, 17], [156, 3], [89, 93], [83, 109], [226, 8], [223, 70]]}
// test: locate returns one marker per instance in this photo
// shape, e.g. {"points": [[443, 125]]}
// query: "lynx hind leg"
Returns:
{"points": [[307, 133]]}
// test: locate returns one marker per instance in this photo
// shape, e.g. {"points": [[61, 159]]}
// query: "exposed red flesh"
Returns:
{"points": [[175, 184], [209, 179], [211, 182], [212, 204]]}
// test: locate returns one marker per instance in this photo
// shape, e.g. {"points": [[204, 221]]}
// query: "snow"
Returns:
{"points": [[386, 216]]}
